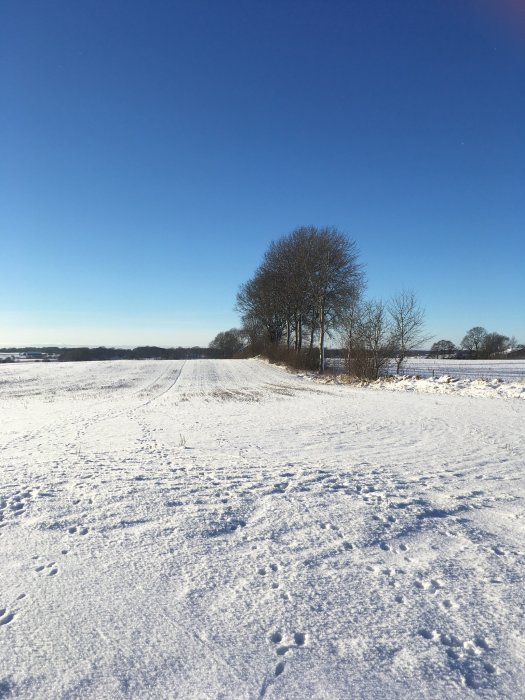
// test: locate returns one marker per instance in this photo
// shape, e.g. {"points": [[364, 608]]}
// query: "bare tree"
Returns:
{"points": [[494, 344], [369, 339], [260, 301], [473, 340], [408, 325], [229, 343], [334, 281], [443, 348]]}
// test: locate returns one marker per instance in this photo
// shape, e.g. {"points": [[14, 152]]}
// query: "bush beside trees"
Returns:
{"points": [[377, 333]]}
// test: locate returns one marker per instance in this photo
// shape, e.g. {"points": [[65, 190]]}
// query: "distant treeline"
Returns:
{"points": [[148, 352]]}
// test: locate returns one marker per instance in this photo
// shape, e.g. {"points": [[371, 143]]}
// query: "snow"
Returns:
{"points": [[507, 370], [446, 384], [226, 529], [466, 369]]}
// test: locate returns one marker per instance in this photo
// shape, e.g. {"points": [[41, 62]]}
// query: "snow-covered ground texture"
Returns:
{"points": [[446, 384], [225, 529]]}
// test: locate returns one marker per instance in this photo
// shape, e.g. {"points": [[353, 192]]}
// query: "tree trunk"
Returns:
{"points": [[321, 338]]}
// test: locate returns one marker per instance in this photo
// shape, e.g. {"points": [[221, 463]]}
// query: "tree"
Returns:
{"points": [[408, 324], [334, 280], [443, 348], [303, 286], [229, 343], [473, 340], [369, 339], [493, 344], [260, 301]]}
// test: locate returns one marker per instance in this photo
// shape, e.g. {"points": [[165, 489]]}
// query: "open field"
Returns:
{"points": [[225, 529], [507, 370], [466, 369]]}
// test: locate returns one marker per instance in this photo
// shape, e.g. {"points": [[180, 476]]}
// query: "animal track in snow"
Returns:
{"points": [[432, 586], [272, 568], [74, 530], [16, 504], [296, 642], [499, 550], [6, 617], [50, 569], [465, 656]]}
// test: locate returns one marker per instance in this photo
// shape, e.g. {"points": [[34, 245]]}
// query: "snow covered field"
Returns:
{"points": [[508, 370], [225, 529], [466, 369]]}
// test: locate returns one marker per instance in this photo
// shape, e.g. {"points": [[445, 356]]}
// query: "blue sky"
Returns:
{"points": [[150, 151]]}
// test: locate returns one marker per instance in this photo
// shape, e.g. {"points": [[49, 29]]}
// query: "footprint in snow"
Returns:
{"points": [[467, 657], [273, 568], [432, 586], [6, 617], [78, 530], [50, 569], [296, 642]]}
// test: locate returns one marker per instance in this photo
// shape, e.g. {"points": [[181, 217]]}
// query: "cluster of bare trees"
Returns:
{"points": [[301, 292], [309, 286], [480, 344], [476, 344], [377, 333]]}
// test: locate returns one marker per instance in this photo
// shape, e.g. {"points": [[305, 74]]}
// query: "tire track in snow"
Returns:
{"points": [[164, 391], [58, 425]]}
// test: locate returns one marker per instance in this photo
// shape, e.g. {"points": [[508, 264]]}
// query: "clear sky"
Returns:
{"points": [[150, 151]]}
